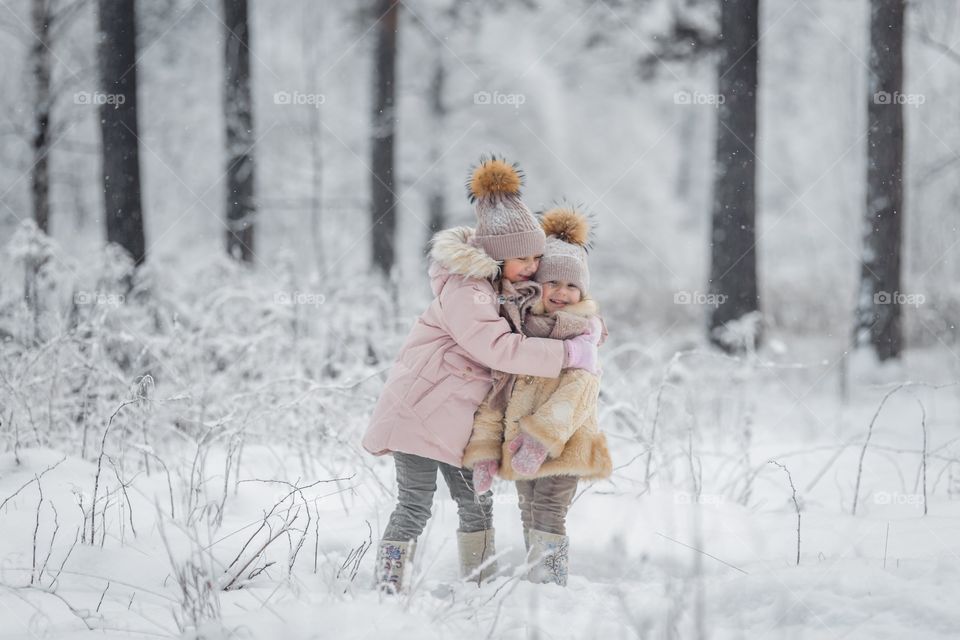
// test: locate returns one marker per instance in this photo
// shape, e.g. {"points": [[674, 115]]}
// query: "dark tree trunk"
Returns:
{"points": [[733, 267], [40, 56], [437, 205], [316, 158], [118, 126], [878, 318], [383, 200], [238, 116]]}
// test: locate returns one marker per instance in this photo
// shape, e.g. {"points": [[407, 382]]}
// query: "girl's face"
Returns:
{"points": [[559, 294], [520, 269]]}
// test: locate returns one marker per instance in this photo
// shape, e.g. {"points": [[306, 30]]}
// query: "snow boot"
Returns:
{"points": [[476, 550], [392, 572], [548, 557]]}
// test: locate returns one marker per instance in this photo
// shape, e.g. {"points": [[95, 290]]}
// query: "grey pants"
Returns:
{"points": [[544, 502], [416, 484]]}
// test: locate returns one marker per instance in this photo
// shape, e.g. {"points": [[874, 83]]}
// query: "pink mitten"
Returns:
{"points": [[483, 473], [528, 454], [582, 353]]}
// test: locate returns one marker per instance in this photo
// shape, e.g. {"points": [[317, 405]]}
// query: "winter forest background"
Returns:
{"points": [[190, 351]]}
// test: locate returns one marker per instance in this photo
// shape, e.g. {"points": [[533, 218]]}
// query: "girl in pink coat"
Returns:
{"points": [[424, 415]]}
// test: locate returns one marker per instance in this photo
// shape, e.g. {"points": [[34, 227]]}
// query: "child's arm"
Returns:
{"points": [[564, 411], [486, 441], [472, 320]]}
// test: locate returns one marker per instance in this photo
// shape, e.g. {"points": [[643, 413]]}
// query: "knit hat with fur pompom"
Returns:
{"points": [[506, 228], [565, 256]]}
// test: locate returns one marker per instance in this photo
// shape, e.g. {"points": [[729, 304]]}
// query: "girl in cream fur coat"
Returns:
{"points": [[543, 432]]}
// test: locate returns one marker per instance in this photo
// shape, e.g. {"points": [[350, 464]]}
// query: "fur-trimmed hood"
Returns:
{"points": [[453, 252]]}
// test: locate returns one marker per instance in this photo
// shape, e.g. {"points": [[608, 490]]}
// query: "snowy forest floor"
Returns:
{"points": [[225, 494]]}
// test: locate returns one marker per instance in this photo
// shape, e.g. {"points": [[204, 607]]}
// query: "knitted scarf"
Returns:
{"points": [[518, 304]]}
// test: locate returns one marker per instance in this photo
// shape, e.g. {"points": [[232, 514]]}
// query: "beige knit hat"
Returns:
{"points": [[506, 228], [565, 256]]}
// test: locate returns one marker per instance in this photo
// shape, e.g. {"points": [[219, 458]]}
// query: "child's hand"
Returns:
{"points": [[581, 352], [528, 454], [483, 473], [596, 330]]}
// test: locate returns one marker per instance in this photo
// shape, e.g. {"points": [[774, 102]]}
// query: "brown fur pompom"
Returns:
{"points": [[494, 176], [568, 224]]}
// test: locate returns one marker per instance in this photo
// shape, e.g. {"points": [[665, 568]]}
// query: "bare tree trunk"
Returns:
{"points": [[878, 318], [238, 117], [309, 43], [687, 133], [383, 200], [118, 126], [316, 193], [437, 205], [43, 103], [733, 268]]}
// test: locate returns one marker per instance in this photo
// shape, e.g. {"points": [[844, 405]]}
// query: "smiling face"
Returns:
{"points": [[520, 269], [558, 294]]}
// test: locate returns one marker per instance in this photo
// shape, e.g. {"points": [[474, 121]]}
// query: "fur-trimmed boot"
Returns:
{"points": [[548, 557], [392, 572], [476, 550]]}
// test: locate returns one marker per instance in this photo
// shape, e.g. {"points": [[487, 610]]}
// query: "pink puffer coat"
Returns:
{"points": [[442, 373]]}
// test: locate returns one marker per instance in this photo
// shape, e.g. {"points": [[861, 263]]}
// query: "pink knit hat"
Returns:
{"points": [[506, 228], [565, 257]]}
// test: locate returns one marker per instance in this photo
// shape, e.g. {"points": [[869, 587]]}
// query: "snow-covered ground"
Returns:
{"points": [[196, 440], [253, 477]]}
